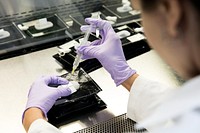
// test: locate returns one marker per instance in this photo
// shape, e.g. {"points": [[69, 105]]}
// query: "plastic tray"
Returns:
{"points": [[15, 34]]}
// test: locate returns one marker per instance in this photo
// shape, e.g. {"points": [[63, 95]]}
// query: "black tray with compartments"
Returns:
{"points": [[84, 100]]}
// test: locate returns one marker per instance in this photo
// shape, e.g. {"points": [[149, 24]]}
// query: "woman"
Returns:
{"points": [[172, 29]]}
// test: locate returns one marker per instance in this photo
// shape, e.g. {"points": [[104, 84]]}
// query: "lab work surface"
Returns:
{"points": [[18, 73]]}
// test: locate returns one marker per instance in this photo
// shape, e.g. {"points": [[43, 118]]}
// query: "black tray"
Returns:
{"points": [[85, 100], [87, 88], [69, 112]]}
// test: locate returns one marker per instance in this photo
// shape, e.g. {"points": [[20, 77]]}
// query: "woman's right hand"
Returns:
{"points": [[108, 50]]}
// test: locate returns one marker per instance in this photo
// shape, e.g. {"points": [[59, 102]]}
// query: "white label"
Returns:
{"points": [[136, 37], [122, 27]]}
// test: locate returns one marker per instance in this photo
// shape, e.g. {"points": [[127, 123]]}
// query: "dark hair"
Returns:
{"points": [[196, 4], [148, 5]]}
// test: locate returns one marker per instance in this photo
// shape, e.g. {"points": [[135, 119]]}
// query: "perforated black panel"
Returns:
{"points": [[120, 124]]}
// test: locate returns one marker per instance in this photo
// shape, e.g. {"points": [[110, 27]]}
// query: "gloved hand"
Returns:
{"points": [[42, 96], [107, 50]]}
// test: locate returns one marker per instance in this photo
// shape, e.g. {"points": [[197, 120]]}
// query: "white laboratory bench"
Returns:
{"points": [[18, 73]]}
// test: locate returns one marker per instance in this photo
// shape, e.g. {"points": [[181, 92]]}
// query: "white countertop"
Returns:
{"points": [[18, 73]]}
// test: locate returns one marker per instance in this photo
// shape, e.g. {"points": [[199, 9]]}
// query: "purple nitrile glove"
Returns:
{"points": [[42, 96], [107, 50]]}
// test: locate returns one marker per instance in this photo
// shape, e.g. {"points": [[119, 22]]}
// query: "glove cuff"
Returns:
{"points": [[121, 72], [29, 106], [125, 76]]}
